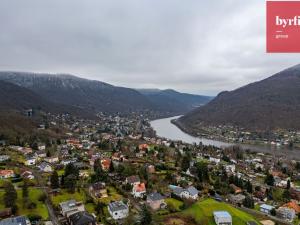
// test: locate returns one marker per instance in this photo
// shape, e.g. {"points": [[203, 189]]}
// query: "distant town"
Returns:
{"points": [[115, 170]]}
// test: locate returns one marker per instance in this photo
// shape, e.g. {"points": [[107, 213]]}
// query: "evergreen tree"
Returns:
{"points": [[185, 164], [146, 217], [288, 185], [269, 180], [10, 195], [54, 180], [25, 189]]}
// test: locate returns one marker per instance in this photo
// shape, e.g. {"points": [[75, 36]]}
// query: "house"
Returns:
{"points": [[188, 193], [143, 147], [222, 218], [82, 218], [45, 167], [133, 180], [41, 154], [236, 199], [41, 146], [27, 175], [151, 169], [105, 164], [236, 190], [98, 190], [30, 161], [230, 168], [293, 205], [4, 158], [286, 213], [51, 159], [118, 210], [6, 174], [139, 190], [18, 220], [155, 201], [266, 208], [70, 207]]}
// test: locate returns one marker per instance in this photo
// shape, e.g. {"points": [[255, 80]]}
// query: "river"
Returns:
{"points": [[164, 128]]}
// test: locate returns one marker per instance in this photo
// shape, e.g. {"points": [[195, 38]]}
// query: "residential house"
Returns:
{"points": [[293, 205], [155, 201], [237, 199], [236, 190], [98, 190], [133, 180], [30, 161], [118, 210], [4, 158], [18, 220], [51, 159], [151, 169], [70, 207], [222, 218], [266, 208], [139, 190], [188, 193], [45, 167], [27, 175], [286, 213], [105, 164], [82, 218], [4, 174], [41, 154]]}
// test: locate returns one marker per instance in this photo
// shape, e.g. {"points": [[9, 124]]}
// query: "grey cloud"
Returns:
{"points": [[193, 46]]}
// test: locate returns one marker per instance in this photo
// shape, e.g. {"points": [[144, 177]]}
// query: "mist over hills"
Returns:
{"points": [[269, 104], [68, 93]]}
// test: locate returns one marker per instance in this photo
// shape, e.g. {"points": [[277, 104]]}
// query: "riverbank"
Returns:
{"points": [[167, 128], [181, 126]]}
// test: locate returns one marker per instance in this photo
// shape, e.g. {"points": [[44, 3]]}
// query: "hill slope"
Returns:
{"points": [[270, 104], [86, 94], [173, 101]]}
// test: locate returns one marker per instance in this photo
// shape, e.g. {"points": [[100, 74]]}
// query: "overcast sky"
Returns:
{"points": [[193, 46]]}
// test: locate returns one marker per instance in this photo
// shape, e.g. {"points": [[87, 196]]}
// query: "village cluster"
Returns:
{"points": [[117, 171]]}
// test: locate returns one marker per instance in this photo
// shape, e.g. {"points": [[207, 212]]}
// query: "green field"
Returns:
{"points": [[34, 194], [174, 203], [202, 212], [64, 195]]}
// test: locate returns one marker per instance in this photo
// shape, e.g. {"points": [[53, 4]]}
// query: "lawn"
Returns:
{"points": [[66, 196], [34, 194], [174, 203], [202, 212], [113, 195]]}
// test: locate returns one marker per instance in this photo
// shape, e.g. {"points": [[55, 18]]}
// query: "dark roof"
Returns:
{"points": [[19, 220], [192, 190], [116, 206], [155, 196], [133, 179], [98, 186], [82, 218]]}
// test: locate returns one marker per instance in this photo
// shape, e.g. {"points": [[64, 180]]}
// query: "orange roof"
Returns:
{"points": [[140, 187], [105, 163], [293, 205], [6, 172], [143, 146]]}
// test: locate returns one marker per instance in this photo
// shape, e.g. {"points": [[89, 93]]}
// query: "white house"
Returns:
{"points": [[30, 161], [118, 210], [139, 190], [45, 167], [286, 213], [222, 218], [266, 208], [188, 193]]}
